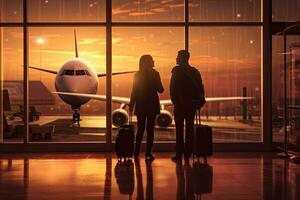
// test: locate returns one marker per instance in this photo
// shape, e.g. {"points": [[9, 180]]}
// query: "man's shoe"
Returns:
{"points": [[205, 159], [186, 158], [176, 157]]}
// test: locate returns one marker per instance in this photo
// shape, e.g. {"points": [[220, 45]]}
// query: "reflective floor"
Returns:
{"points": [[100, 176]]}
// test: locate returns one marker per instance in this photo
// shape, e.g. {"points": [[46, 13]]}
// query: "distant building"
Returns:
{"points": [[38, 93]]}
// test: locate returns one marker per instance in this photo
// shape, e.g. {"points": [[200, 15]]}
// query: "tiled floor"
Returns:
{"points": [[99, 176]]}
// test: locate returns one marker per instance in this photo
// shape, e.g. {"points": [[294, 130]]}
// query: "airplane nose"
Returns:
{"points": [[76, 85]]}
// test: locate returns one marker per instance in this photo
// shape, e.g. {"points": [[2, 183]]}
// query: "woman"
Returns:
{"points": [[144, 99]]}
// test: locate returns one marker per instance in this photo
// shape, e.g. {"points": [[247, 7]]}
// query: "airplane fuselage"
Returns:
{"points": [[76, 76]]}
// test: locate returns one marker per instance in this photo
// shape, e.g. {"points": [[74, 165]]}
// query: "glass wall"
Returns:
{"points": [[229, 59], [148, 11], [66, 10], [225, 10], [285, 11], [11, 10], [277, 84], [223, 37], [12, 84]]}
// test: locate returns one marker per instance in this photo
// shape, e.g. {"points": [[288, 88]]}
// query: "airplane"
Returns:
{"points": [[76, 83]]}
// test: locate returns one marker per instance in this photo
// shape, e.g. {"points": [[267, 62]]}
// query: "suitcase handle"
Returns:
{"points": [[130, 118], [198, 117]]}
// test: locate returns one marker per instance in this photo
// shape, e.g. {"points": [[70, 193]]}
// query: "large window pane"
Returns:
{"points": [[11, 50], [129, 44], [66, 10], [287, 10], [11, 10], [229, 60], [52, 49], [148, 11], [277, 85], [225, 10]]}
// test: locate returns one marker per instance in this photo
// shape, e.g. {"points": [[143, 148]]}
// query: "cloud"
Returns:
{"points": [[50, 35], [45, 36], [207, 60], [146, 8], [141, 13], [158, 10], [179, 5], [121, 57], [119, 11], [53, 51], [116, 40], [138, 38], [166, 1], [239, 61], [87, 41]]}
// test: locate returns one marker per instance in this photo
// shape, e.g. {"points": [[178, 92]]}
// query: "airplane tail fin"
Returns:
{"points": [[76, 47]]}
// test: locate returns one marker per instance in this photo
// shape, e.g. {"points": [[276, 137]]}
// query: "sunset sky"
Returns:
{"points": [[216, 50]]}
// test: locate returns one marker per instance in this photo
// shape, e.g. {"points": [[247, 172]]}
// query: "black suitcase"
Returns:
{"points": [[203, 145], [124, 145]]}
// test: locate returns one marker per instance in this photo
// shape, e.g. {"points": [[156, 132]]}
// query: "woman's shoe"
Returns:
{"points": [[149, 157], [176, 157], [136, 156]]}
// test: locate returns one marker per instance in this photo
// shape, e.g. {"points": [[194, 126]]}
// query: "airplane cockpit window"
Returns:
{"points": [[87, 72], [69, 72], [80, 72]]}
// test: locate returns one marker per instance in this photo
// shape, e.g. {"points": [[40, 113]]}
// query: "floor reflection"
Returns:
{"points": [[101, 176], [124, 175]]}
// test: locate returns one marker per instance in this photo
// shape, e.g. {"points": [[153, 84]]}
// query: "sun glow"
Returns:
{"points": [[40, 41]]}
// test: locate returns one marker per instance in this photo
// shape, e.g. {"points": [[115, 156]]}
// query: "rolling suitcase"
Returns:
{"points": [[203, 145], [124, 145]]}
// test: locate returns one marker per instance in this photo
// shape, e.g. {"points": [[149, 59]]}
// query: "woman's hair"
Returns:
{"points": [[146, 62]]}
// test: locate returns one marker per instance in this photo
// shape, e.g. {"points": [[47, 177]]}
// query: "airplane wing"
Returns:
{"points": [[125, 100], [169, 102], [100, 74], [120, 100], [44, 70]]}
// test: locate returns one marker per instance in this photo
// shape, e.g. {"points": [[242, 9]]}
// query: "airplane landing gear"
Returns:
{"points": [[76, 116]]}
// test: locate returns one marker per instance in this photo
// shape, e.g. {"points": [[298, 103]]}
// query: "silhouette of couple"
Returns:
{"points": [[187, 94]]}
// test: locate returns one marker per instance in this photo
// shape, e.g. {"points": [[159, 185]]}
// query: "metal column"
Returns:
{"points": [[108, 72], [25, 72], [266, 91]]}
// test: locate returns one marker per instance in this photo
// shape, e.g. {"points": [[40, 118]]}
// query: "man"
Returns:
{"points": [[187, 95]]}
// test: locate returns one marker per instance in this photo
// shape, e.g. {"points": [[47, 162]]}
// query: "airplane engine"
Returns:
{"points": [[119, 117], [164, 119]]}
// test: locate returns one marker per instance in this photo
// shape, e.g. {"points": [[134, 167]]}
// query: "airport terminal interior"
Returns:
{"points": [[66, 72]]}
